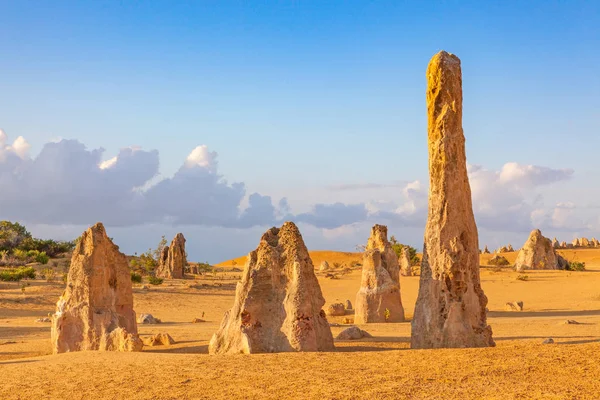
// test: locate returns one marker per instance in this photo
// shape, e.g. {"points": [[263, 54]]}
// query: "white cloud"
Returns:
{"points": [[201, 157]]}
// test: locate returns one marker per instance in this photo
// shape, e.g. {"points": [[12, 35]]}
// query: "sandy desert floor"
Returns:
{"points": [[384, 367]]}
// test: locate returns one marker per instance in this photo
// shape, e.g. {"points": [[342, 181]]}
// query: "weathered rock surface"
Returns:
{"points": [[348, 305], [451, 306], [336, 309], [514, 306], [485, 250], [160, 339], [147, 319], [324, 266], [405, 264], [378, 299], [555, 243], [538, 253], [509, 248], [353, 333], [278, 304], [95, 312], [173, 260]]}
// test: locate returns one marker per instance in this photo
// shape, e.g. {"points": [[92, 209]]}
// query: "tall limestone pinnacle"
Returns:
{"points": [[451, 306]]}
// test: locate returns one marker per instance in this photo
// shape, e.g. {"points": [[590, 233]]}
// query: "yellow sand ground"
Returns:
{"points": [[519, 367]]}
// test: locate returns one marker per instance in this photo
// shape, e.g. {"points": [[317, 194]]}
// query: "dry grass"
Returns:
{"points": [[384, 367]]}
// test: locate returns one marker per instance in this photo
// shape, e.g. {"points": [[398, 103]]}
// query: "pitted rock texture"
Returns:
{"points": [[451, 307], [538, 252], [95, 312], [378, 299], [278, 304], [173, 260]]}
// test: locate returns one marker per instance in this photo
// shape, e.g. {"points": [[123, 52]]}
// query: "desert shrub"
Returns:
{"points": [[153, 280], [498, 261], [49, 274], [136, 278], [575, 266], [206, 267], [16, 274], [522, 278], [42, 258], [21, 255], [12, 234], [412, 252]]}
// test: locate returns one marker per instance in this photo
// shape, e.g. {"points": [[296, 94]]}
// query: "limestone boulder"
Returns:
{"points": [[172, 261], [324, 266], [353, 333], [537, 253], [509, 248], [160, 339], [378, 299], [555, 243], [595, 242], [584, 242], [95, 312], [486, 251], [348, 305], [147, 319], [278, 304], [576, 243], [404, 262], [336, 309], [451, 306]]}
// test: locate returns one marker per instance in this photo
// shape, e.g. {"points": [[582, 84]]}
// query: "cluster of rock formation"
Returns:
{"points": [[95, 312], [278, 303], [378, 299], [451, 306], [505, 249], [577, 243], [172, 260], [538, 253]]}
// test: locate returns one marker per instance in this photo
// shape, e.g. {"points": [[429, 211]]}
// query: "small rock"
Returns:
{"points": [[324, 266], [514, 306], [348, 305], [43, 320], [348, 320], [160, 339], [144, 287], [336, 309], [572, 322], [147, 319], [353, 333], [334, 324], [548, 341], [197, 320]]}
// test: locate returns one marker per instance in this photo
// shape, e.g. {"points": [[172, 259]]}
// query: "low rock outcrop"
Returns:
{"points": [[378, 299], [324, 266], [160, 339], [278, 304], [514, 306], [353, 333], [538, 253], [95, 312]]}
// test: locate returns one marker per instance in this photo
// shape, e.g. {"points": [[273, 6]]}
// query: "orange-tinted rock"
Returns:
{"points": [[538, 253], [451, 307], [173, 260], [278, 304]]}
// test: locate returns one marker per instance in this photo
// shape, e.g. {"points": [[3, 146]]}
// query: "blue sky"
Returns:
{"points": [[296, 97]]}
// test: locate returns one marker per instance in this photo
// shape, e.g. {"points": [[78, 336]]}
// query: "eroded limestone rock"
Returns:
{"points": [[95, 312], [173, 260], [451, 306], [278, 304], [538, 253], [405, 264], [378, 299]]}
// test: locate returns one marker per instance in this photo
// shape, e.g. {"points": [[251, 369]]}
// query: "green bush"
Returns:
{"points": [[16, 274], [575, 266], [136, 278], [20, 254], [204, 267], [42, 258], [412, 252], [153, 280]]}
